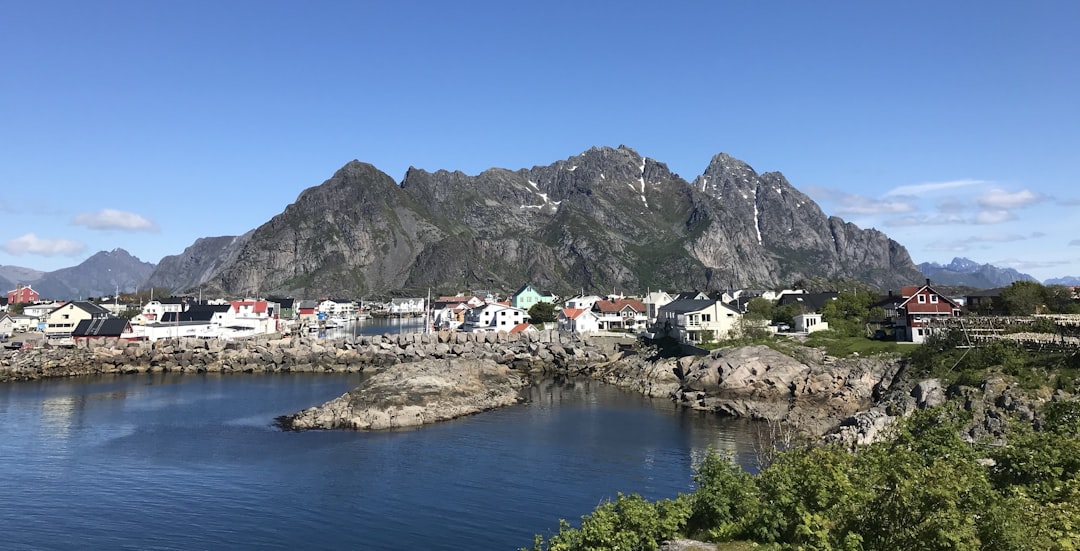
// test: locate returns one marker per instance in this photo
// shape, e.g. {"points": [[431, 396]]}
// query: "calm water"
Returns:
{"points": [[374, 326], [193, 462]]}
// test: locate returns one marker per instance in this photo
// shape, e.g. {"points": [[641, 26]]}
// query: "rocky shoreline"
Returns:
{"points": [[526, 352], [849, 400]]}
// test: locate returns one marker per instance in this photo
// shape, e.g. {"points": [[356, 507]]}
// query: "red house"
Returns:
{"points": [[22, 295], [920, 305]]}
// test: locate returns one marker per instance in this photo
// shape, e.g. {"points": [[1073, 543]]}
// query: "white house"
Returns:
{"points": [[406, 306], [653, 301], [155, 310], [494, 317], [696, 321], [7, 325], [60, 322], [40, 310], [809, 322], [578, 320], [584, 302], [338, 308]]}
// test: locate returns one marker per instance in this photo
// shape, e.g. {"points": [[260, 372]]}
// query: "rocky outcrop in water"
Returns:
{"points": [[415, 394], [806, 389]]}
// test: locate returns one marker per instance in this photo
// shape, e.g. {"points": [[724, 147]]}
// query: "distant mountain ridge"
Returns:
{"points": [[607, 218], [1071, 281], [968, 273], [100, 275]]}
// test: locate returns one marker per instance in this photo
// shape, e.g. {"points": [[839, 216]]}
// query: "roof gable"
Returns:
{"points": [[926, 290]]}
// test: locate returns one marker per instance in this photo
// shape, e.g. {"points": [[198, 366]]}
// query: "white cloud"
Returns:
{"points": [[1025, 265], [993, 216], [857, 204], [32, 244], [976, 241], [925, 220], [111, 219], [929, 187], [1000, 199]]}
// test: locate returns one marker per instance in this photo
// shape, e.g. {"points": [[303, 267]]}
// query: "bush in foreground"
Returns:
{"points": [[923, 489]]}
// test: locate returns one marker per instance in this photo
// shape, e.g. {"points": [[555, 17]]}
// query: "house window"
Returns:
{"points": [[922, 299], [933, 299], [706, 317]]}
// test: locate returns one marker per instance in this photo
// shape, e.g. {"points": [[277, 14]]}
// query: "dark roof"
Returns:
{"points": [[683, 306], [195, 312], [88, 307], [285, 303], [101, 327], [810, 302]]}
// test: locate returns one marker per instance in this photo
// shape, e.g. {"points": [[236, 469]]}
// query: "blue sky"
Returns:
{"points": [[951, 126]]}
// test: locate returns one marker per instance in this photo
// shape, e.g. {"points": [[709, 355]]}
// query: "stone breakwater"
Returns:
{"points": [[543, 351]]}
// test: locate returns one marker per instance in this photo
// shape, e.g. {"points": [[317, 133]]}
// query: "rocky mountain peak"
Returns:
{"points": [[605, 217]]}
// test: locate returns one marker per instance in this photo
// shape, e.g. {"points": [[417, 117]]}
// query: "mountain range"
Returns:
{"points": [[103, 274], [968, 273], [608, 218]]}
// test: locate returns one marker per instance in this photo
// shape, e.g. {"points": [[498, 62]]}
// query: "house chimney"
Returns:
{"points": [[927, 282]]}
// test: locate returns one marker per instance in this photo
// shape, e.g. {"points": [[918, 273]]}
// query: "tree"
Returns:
{"points": [[542, 312], [759, 309], [1023, 298], [847, 314], [1059, 299]]}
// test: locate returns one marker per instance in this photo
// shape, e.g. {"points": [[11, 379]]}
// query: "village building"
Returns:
{"points": [[406, 307], [103, 328], [494, 317], [7, 325], [528, 296], [40, 310], [809, 322], [22, 295], [653, 301], [582, 302], [920, 308], [338, 308], [307, 310], [620, 315], [578, 320], [60, 322], [448, 312], [696, 321]]}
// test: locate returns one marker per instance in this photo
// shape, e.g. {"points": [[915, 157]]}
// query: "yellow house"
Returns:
{"points": [[60, 322]]}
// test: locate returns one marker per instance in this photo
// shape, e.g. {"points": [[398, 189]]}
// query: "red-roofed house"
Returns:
{"points": [[523, 328], [578, 320], [621, 314], [921, 305]]}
